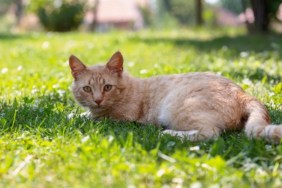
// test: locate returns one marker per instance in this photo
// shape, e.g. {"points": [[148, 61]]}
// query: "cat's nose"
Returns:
{"points": [[98, 101]]}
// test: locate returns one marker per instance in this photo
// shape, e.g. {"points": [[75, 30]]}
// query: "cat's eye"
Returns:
{"points": [[87, 89], [107, 87]]}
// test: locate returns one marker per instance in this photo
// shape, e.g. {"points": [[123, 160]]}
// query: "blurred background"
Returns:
{"points": [[255, 16]]}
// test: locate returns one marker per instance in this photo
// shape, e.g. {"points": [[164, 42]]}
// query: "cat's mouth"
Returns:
{"points": [[98, 106]]}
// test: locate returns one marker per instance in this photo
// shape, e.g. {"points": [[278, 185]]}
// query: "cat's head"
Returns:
{"points": [[99, 86]]}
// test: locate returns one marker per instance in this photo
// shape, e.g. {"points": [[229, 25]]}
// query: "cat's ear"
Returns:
{"points": [[115, 64], [76, 66]]}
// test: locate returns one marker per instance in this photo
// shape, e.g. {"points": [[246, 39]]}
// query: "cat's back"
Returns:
{"points": [[200, 93], [190, 82]]}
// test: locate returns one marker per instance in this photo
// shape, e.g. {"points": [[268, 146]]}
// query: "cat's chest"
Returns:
{"points": [[128, 112]]}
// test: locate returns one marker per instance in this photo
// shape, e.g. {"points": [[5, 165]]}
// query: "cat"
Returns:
{"points": [[197, 106]]}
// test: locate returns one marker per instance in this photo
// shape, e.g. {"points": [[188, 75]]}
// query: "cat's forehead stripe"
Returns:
{"points": [[91, 80], [96, 78], [102, 80]]}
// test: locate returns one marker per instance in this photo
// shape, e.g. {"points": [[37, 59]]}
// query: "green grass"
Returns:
{"points": [[44, 142]]}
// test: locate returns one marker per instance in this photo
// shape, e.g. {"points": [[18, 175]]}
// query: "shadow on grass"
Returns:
{"points": [[257, 74], [46, 119], [10, 36], [242, 43], [276, 116], [33, 113]]}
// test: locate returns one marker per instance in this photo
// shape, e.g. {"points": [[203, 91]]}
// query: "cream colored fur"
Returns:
{"points": [[198, 106]]}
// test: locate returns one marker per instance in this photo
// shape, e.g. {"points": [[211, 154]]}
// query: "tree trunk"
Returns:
{"points": [[247, 23], [261, 16], [199, 10], [19, 11], [95, 11]]}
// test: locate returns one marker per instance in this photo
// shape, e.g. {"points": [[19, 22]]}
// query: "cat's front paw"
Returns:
{"points": [[86, 115], [190, 135], [181, 133]]}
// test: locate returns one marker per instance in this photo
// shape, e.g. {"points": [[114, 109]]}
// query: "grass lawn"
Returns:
{"points": [[45, 142]]}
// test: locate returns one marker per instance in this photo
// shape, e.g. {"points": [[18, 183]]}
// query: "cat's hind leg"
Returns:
{"points": [[194, 118]]}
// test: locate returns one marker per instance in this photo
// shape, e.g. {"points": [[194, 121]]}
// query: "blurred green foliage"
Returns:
{"points": [[273, 7], [237, 6], [4, 6], [59, 15], [234, 6], [182, 10]]}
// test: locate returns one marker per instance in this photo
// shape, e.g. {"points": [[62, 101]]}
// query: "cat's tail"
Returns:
{"points": [[258, 124]]}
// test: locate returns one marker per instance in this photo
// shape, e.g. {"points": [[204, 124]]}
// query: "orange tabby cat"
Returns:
{"points": [[198, 106]]}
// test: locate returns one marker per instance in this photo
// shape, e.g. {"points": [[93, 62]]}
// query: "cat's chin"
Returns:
{"points": [[97, 107]]}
